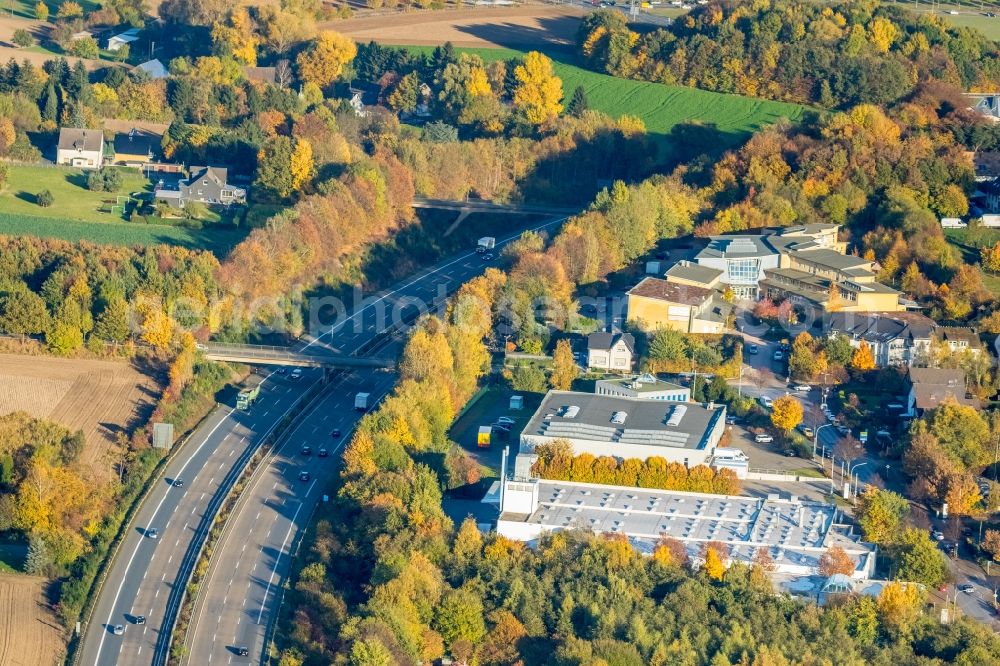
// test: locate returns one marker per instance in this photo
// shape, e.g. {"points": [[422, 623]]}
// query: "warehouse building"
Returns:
{"points": [[625, 427], [796, 533]]}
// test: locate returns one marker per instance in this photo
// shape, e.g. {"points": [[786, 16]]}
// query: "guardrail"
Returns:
{"points": [[179, 592], [232, 499]]}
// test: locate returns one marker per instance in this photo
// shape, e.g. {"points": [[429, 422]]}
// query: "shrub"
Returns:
{"points": [[44, 199], [22, 38]]}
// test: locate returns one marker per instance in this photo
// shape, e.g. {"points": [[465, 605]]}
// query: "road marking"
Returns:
{"points": [[118, 592], [232, 452], [277, 560]]}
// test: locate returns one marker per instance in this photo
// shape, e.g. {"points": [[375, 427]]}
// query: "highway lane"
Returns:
{"points": [[144, 575], [236, 609], [242, 587]]}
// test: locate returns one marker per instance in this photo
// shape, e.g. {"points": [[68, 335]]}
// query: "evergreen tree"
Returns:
{"points": [[579, 103], [39, 559], [50, 111]]}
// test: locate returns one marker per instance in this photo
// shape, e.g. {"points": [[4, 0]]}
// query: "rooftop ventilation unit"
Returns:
{"points": [[618, 418], [677, 415], [571, 412]]}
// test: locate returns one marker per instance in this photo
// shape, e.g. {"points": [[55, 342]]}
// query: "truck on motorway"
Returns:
{"points": [[247, 397], [486, 244], [361, 402], [483, 438]]}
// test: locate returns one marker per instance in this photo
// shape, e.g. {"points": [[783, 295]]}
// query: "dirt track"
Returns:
{"points": [[30, 635], [98, 397], [514, 27]]}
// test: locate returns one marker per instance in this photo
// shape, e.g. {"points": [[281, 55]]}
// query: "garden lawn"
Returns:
{"points": [[72, 199], [660, 106], [968, 242], [217, 240]]}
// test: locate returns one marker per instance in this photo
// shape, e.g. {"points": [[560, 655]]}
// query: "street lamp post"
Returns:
{"points": [[816, 436], [851, 472]]}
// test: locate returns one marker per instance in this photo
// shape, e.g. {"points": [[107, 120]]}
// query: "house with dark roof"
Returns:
{"points": [[136, 147], [83, 148], [613, 352], [205, 184], [929, 387], [895, 338], [958, 339], [656, 303]]}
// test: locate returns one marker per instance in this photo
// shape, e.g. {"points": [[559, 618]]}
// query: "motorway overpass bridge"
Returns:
{"points": [[301, 357]]}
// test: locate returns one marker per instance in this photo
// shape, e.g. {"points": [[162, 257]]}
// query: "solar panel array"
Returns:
{"points": [[580, 430]]}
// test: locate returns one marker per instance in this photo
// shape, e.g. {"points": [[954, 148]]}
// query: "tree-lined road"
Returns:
{"points": [[148, 575], [144, 578], [243, 585]]}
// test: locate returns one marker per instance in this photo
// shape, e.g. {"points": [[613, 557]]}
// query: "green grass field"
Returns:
{"points": [[26, 8], [660, 106], [968, 242], [217, 240], [79, 214], [73, 201]]}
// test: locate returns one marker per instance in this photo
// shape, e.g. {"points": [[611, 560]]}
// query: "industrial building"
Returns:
{"points": [[644, 386], [625, 427], [796, 533]]}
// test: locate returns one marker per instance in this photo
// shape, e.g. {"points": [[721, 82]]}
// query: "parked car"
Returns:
{"points": [[281, 371], [763, 439], [790, 453], [779, 355], [765, 401], [488, 256], [304, 476], [322, 453], [938, 535], [296, 373], [753, 349], [335, 433], [506, 420], [306, 450], [967, 588], [802, 388], [731, 420]]}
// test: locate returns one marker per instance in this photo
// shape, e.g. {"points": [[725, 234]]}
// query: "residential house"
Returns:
{"points": [[136, 148], [205, 184], [118, 41], [656, 303], [610, 351], [958, 339], [363, 99], [929, 387], [895, 338], [82, 148], [154, 69], [987, 104]]}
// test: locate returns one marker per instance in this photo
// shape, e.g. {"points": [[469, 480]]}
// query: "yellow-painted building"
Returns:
{"points": [[656, 303]]}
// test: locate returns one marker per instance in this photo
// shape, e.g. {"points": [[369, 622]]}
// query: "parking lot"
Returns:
{"points": [[492, 405]]}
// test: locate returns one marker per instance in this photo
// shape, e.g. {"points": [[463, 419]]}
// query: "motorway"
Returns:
{"points": [[241, 592], [147, 577], [143, 579], [243, 585]]}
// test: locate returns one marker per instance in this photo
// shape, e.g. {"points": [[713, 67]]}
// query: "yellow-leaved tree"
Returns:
{"points": [[863, 360], [786, 413], [324, 61], [302, 164], [236, 36], [538, 91], [714, 567]]}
